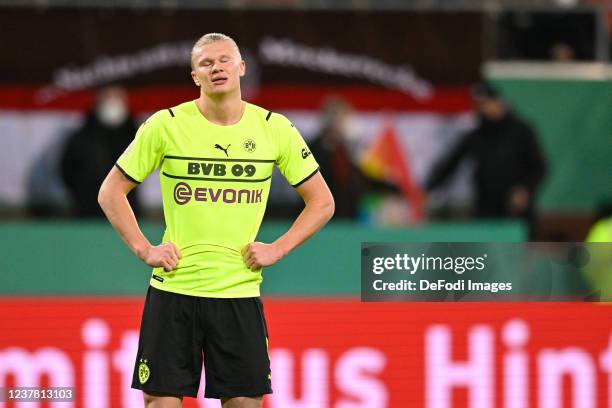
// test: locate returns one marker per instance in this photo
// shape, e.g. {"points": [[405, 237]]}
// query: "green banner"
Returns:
{"points": [[574, 120], [54, 258]]}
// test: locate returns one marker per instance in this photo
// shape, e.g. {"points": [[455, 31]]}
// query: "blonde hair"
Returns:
{"points": [[211, 38]]}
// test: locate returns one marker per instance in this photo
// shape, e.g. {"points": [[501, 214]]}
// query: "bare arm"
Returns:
{"points": [[113, 200], [318, 210]]}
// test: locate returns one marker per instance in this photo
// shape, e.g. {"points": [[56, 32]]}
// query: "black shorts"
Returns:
{"points": [[177, 329]]}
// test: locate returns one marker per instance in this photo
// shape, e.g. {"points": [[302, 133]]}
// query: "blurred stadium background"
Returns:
{"points": [[401, 73]]}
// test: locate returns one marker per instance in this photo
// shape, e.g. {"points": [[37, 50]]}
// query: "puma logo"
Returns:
{"points": [[217, 146]]}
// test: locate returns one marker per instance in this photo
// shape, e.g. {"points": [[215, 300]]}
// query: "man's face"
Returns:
{"points": [[491, 108], [112, 106], [339, 124], [217, 68]]}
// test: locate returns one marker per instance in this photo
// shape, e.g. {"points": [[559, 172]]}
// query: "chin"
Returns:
{"points": [[222, 91]]}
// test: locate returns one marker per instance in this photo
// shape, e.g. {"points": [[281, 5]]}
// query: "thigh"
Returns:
{"points": [[169, 359], [242, 402], [159, 401], [236, 361]]}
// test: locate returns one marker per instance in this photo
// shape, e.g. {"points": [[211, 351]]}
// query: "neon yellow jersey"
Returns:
{"points": [[601, 231], [215, 182]]}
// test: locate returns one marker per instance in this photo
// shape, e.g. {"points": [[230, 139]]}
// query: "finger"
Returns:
{"points": [[248, 254], [246, 249], [248, 262], [251, 263], [166, 255], [254, 263], [172, 261], [172, 256], [166, 265], [171, 264], [176, 251]]}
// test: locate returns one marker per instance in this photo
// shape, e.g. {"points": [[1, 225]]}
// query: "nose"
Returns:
{"points": [[216, 68]]}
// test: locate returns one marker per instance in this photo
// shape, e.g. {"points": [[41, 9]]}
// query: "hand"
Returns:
{"points": [[258, 254], [519, 200], [165, 255]]}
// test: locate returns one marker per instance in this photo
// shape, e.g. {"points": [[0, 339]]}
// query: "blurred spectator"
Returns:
{"points": [[92, 150], [598, 271], [509, 164], [601, 231], [332, 150], [562, 52], [532, 35], [46, 191]]}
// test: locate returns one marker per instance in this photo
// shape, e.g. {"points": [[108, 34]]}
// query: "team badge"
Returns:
{"points": [[143, 371], [249, 145]]}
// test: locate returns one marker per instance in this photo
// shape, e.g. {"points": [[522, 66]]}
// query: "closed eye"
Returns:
{"points": [[207, 62]]}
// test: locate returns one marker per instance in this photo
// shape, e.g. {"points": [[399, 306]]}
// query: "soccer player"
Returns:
{"points": [[215, 156]]}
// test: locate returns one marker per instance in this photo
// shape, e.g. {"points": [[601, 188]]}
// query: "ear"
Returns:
{"points": [[195, 78], [242, 68]]}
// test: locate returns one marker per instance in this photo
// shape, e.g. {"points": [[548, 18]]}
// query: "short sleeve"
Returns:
{"points": [[145, 153], [295, 161]]}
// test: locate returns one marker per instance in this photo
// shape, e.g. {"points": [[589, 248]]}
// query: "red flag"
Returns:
{"points": [[385, 160]]}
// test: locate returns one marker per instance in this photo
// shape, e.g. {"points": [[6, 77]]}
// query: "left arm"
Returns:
{"points": [[535, 161], [523, 193], [318, 210]]}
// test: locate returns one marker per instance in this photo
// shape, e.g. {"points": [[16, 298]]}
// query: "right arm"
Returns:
{"points": [[448, 164], [112, 197]]}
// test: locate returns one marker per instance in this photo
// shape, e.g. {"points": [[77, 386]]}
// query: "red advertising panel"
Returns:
{"points": [[337, 353]]}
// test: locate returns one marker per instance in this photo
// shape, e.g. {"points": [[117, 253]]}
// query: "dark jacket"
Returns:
{"points": [[506, 154], [347, 183], [90, 153]]}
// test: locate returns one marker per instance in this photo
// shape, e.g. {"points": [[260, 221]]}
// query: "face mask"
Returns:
{"points": [[112, 112], [350, 129]]}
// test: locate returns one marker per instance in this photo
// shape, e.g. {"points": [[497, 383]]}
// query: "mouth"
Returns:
{"points": [[219, 80]]}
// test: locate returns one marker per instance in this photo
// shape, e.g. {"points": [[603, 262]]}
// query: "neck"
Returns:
{"points": [[221, 109]]}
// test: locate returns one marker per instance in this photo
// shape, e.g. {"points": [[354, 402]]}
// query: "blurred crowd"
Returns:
{"points": [[92, 150], [509, 164], [372, 176]]}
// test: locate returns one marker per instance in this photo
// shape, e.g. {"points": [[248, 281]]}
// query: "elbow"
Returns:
{"points": [[102, 196], [329, 207]]}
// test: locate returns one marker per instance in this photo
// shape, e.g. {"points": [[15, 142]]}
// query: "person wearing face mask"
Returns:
{"points": [[93, 148], [335, 161], [509, 163], [333, 148]]}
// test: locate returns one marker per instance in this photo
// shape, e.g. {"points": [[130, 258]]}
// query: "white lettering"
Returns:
{"points": [[28, 368], [96, 386], [553, 365], [123, 361], [314, 374], [355, 375], [441, 374], [515, 335]]}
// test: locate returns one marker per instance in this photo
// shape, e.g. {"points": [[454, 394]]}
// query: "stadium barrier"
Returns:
{"points": [[90, 258]]}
